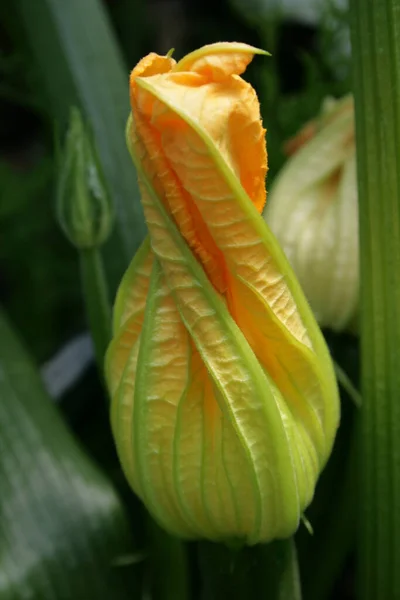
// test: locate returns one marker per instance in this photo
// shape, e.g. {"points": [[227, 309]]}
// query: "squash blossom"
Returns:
{"points": [[313, 211], [224, 401]]}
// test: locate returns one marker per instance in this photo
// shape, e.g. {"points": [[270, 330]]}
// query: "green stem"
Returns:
{"points": [[376, 49], [338, 535], [267, 571], [284, 570], [97, 301], [168, 575]]}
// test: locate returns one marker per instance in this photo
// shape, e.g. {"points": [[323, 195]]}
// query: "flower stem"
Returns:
{"points": [[336, 541], [376, 50], [169, 569], [263, 571], [97, 301]]}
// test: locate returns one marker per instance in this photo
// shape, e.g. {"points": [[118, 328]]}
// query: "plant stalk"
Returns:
{"points": [[267, 571], [375, 28], [98, 309], [168, 575], [337, 541]]}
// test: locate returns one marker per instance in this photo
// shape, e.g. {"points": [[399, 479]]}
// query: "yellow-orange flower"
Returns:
{"points": [[224, 402]]}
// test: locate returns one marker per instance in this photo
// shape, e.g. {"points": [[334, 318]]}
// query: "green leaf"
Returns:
{"points": [[28, 230], [80, 62], [62, 527]]}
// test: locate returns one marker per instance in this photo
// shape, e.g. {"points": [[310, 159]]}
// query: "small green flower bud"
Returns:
{"points": [[83, 206]]}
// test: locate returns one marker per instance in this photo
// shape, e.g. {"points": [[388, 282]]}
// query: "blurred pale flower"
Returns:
{"points": [[224, 401], [313, 211]]}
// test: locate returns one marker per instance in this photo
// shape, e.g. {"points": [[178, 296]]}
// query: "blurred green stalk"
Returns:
{"points": [[168, 576], [339, 532], [267, 571], [97, 301], [376, 46]]}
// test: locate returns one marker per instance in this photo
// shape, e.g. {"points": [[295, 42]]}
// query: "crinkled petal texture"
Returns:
{"points": [[224, 402], [313, 211]]}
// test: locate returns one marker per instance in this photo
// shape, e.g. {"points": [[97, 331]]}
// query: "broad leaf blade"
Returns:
{"points": [[62, 527]]}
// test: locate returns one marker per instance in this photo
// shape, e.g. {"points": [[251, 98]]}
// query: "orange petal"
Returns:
{"points": [[259, 288], [151, 64], [229, 112], [180, 204], [217, 62]]}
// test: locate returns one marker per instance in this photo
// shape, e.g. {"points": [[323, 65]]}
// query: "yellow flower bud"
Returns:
{"points": [[313, 211], [224, 400]]}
